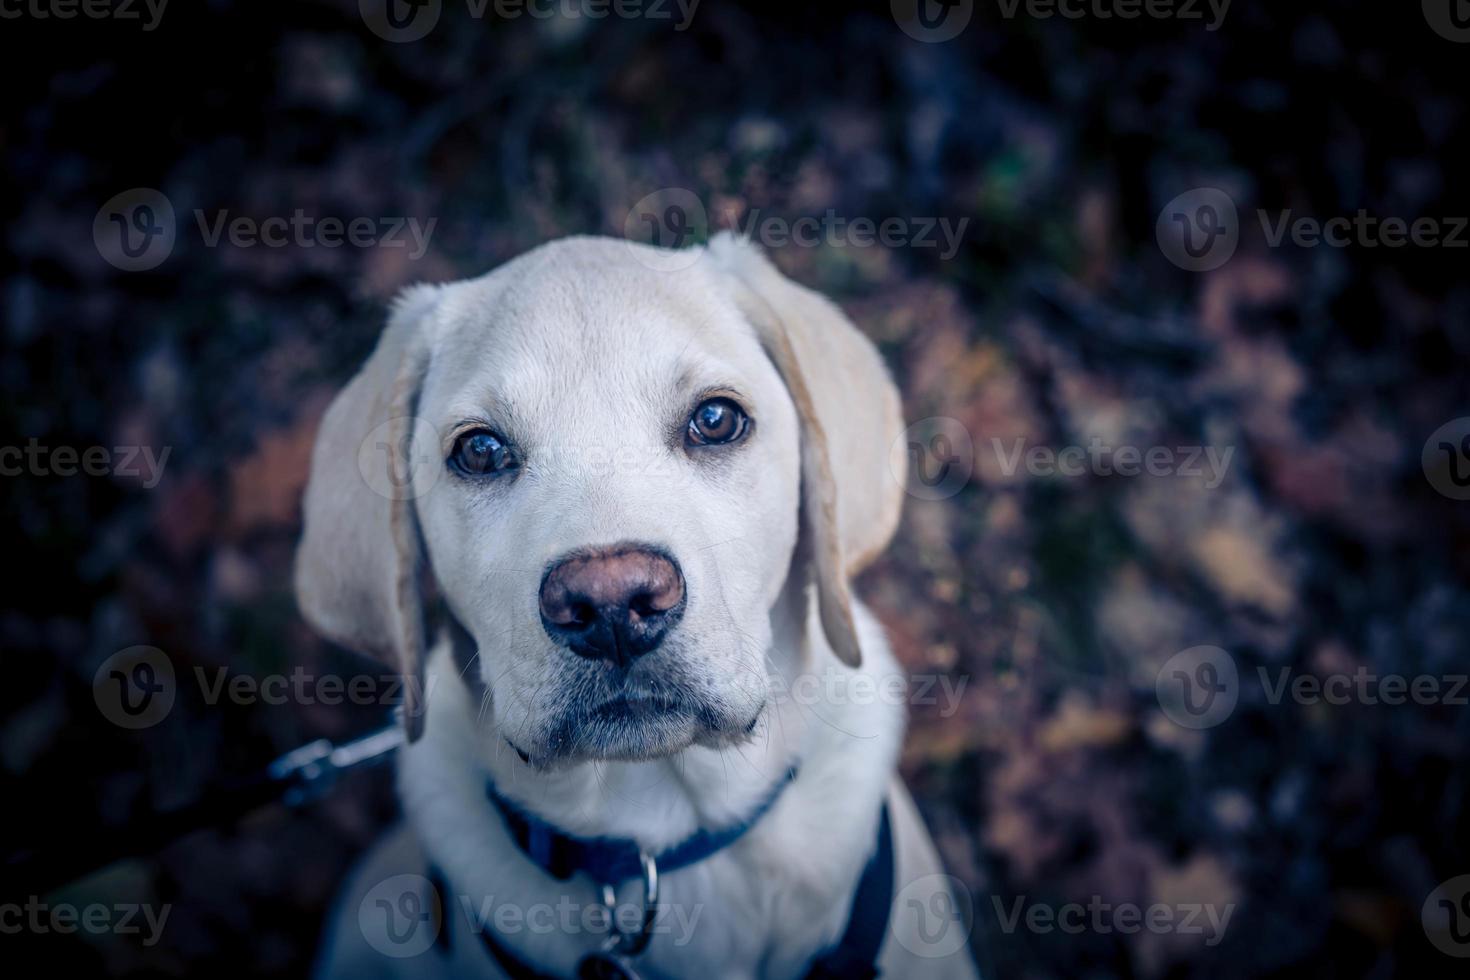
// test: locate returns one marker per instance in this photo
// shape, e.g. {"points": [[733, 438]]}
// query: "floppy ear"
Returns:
{"points": [[852, 463], [357, 569]]}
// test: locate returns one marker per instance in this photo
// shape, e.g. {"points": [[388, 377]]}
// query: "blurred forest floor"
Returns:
{"points": [[1057, 776]]}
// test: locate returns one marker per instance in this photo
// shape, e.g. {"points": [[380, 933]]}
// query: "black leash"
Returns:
{"points": [[295, 778]]}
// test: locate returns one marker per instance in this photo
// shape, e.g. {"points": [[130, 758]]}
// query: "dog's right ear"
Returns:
{"points": [[358, 566]]}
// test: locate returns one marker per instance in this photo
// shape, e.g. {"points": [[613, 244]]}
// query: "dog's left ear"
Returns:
{"points": [[852, 461]]}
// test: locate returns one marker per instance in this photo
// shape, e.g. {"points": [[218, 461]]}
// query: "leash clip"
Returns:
{"points": [[631, 944], [310, 771], [612, 962]]}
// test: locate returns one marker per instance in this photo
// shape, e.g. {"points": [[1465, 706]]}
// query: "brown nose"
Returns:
{"points": [[612, 604]]}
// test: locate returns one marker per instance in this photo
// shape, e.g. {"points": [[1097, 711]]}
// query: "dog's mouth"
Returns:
{"points": [[632, 725], [637, 706]]}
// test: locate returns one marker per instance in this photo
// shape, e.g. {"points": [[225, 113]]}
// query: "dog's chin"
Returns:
{"points": [[635, 728]]}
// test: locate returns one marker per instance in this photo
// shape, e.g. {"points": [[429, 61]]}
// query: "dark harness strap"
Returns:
{"points": [[854, 957], [510, 964], [856, 953]]}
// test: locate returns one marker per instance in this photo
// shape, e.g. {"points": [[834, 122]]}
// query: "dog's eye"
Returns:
{"points": [[481, 452], [716, 422]]}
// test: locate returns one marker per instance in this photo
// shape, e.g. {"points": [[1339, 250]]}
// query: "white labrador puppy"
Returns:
{"points": [[624, 490]]}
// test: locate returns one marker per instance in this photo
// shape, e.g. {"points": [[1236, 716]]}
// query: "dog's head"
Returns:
{"points": [[610, 472]]}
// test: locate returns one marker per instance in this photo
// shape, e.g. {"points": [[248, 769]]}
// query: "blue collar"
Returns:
{"points": [[613, 860]]}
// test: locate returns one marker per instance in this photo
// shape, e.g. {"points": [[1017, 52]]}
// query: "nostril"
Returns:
{"points": [[643, 606], [580, 615]]}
